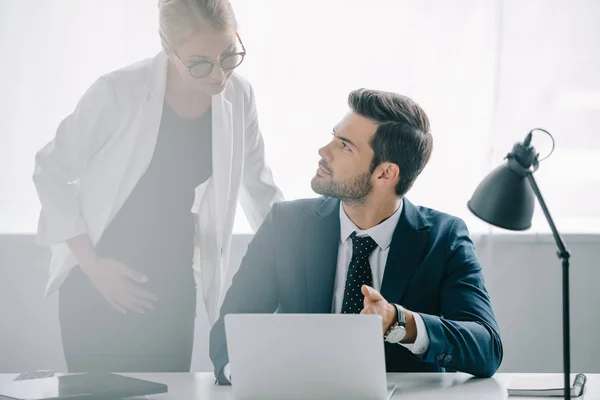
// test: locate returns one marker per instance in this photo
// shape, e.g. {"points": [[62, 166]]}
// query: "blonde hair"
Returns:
{"points": [[179, 20]]}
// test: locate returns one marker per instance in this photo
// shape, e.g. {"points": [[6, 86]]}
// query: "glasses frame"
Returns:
{"points": [[212, 63]]}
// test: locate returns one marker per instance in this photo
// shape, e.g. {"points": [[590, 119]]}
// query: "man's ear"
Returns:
{"points": [[388, 172]]}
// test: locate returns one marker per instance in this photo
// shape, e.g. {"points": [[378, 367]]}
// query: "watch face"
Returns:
{"points": [[396, 335]]}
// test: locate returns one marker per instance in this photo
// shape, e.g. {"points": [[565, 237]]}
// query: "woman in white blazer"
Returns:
{"points": [[139, 190]]}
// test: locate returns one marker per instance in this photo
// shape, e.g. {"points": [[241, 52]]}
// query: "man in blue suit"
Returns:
{"points": [[364, 248]]}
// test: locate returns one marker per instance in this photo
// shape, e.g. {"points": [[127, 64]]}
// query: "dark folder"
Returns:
{"points": [[89, 386]]}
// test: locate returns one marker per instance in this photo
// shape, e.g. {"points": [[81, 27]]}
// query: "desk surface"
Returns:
{"points": [[420, 386]]}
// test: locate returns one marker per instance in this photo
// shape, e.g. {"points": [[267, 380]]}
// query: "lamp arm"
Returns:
{"points": [[563, 254]]}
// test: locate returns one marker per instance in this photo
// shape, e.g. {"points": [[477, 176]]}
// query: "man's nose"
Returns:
{"points": [[325, 153]]}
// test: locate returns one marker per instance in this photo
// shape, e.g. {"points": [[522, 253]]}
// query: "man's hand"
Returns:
{"points": [[374, 303]]}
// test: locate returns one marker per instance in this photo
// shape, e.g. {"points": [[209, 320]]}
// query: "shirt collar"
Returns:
{"points": [[382, 233]]}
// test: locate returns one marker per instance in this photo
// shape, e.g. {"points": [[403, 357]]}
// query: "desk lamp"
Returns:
{"points": [[506, 199]]}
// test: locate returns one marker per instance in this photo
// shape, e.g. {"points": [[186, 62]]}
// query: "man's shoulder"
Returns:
{"points": [[439, 222], [433, 215], [289, 220], [445, 230], [302, 207]]}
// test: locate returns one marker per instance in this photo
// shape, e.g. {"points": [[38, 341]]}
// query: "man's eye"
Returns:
{"points": [[345, 146]]}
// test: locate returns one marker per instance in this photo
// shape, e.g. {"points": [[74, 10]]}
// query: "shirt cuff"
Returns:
{"points": [[421, 343], [227, 372]]}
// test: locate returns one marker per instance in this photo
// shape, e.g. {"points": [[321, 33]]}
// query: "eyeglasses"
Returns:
{"points": [[227, 62]]}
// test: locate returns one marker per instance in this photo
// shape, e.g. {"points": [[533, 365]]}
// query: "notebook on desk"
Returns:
{"points": [[545, 386]]}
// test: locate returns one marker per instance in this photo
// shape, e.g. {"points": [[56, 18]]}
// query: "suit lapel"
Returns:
{"points": [[406, 251], [321, 243]]}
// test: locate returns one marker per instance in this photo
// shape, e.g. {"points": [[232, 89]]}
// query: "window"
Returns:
{"points": [[486, 72]]}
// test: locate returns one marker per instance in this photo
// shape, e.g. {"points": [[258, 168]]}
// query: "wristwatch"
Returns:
{"points": [[397, 331]]}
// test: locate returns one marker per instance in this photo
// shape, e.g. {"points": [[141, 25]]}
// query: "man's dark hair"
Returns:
{"points": [[402, 136]]}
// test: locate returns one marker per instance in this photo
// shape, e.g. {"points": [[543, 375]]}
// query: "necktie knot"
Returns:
{"points": [[362, 246]]}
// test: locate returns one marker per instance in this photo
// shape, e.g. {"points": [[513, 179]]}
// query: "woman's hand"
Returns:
{"points": [[117, 283]]}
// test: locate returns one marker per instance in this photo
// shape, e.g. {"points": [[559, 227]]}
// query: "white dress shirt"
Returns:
{"points": [[382, 235]]}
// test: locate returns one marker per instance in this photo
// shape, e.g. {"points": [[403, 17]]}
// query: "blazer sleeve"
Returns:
{"points": [[253, 289], [258, 191], [59, 164], [466, 336]]}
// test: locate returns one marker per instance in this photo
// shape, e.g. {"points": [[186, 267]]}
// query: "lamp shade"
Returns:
{"points": [[504, 199]]}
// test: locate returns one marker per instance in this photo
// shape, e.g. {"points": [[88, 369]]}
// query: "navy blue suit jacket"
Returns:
{"points": [[432, 269]]}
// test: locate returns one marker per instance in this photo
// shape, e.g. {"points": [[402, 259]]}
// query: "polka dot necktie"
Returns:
{"points": [[359, 273]]}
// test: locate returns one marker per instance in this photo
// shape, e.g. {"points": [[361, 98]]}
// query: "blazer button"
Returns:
{"points": [[440, 357], [448, 359]]}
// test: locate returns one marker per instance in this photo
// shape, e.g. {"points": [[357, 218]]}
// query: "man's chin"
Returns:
{"points": [[315, 184], [320, 186]]}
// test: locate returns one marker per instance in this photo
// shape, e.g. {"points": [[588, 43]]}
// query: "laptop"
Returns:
{"points": [[81, 386], [306, 356]]}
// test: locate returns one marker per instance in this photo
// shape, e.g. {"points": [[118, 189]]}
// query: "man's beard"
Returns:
{"points": [[352, 191]]}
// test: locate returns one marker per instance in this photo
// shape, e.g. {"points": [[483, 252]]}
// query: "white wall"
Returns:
{"points": [[522, 275]]}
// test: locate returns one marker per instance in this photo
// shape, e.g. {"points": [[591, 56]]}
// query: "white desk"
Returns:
{"points": [[421, 386]]}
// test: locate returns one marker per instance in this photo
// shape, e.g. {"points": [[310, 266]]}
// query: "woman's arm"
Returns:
{"points": [[59, 164], [258, 192]]}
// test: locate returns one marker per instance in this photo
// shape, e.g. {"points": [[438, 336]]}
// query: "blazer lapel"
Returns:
{"points": [[321, 243], [222, 157], [138, 147], [408, 245]]}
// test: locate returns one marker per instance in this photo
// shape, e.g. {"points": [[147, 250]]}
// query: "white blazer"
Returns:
{"points": [[87, 172]]}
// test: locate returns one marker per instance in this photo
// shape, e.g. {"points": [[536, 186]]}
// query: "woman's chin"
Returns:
{"points": [[214, 89]]}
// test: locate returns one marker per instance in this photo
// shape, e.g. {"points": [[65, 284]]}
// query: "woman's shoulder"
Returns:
{"points": [[238, 85], [131, 83], [240, 89], [130, 75]]}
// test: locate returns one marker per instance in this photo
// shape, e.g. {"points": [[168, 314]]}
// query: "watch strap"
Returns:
{"points": [[400, 320], [401, 315]]}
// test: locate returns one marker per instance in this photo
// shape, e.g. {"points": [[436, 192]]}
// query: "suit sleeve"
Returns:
{"points": [[258, 192], [466, 336], [253, 289]]}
